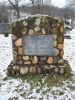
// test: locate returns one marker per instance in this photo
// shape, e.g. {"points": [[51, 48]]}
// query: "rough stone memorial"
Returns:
{"points": [[38, 46]]}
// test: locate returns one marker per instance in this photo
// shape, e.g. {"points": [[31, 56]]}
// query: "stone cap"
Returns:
{"points": [[37, 23]]}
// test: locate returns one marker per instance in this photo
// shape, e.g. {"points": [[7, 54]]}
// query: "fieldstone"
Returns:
{"points": [[38, 70], [42, 58], [38, 21], [20, 62], [54, 30], [24, 23], [27, 62], [55, 60], [14, 60], [43, 30], [55, 52], [67, 70], [54, 43], [54, 37], [62, 66], [37, 28], [20, 50], [46, 67], [61, 53], [23, 70], [24, 31], [14, 54], [18, 42], [25, 58], [50, 60], [60, 40], [14, 37], [35, 60], [61, 29], [56, 70], [61, 71], [52, 66], [32, 70], [13, 72], [61, 61], [31, 32], [16, 68], [60, 46]]}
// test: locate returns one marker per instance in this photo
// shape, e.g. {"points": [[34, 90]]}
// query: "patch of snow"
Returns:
{"points": [[16, 88]]}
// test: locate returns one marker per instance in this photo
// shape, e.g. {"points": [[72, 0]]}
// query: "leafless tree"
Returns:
{"points": [[15, 5], [3, 13], [32, 2]]}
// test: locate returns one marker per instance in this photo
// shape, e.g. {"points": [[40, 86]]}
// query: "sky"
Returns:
{"points": [[58, 3]]}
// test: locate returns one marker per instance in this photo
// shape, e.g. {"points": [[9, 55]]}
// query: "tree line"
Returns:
{"points": [[38, 7]]}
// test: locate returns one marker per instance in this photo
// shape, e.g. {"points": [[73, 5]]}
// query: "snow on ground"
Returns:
{"points": [[39, 87]]}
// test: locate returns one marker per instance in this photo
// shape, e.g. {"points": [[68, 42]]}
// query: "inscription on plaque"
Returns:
{"points": [[38, 45]]}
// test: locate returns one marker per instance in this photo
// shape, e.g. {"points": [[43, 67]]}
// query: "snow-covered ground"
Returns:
{"points": [[39, 87]]}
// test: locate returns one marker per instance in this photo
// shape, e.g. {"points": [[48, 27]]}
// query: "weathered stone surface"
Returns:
{"points": [[35, 60], [55, 52], [61, 71], [67, 70], [14, 60], [60, 46], [61, 29], [60, 40], [16, 68], [52, 66], [37, 28], [24, 31], [61, 61], [38, 21], [54, 30], [32, 70], [24, 23], [23, 70], [38, 70], [54, 43], [14, 53], [56, 70], [43, 30], [20, 62], [20, 50], [62, 66], [42, 58], [46, 67], [25, 58], [18, 42], [14, 37], [54, 37], [27, 62], [31, 32], [61, 53], [50, 60]]}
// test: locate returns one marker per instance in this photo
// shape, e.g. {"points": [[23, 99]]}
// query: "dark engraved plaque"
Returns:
{"points": [[39, 45]]}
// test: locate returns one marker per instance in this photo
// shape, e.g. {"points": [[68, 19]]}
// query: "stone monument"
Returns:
{"points": [[38, 46]]}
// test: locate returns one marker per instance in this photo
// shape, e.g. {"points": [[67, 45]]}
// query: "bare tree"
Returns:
{"points": [[15, 5], [32, 1], [42, 5], [3, 13]]}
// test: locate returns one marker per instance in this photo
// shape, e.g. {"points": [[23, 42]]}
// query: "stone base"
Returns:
{"points": [[62, 69]]}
